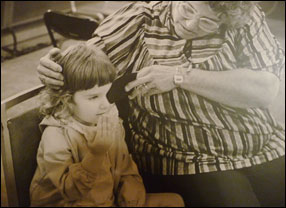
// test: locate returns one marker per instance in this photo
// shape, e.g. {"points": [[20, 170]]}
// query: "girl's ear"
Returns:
{"points": [[67, 105]]}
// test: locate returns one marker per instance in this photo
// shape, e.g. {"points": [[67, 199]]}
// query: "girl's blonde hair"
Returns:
{"points": [[83, 68]]}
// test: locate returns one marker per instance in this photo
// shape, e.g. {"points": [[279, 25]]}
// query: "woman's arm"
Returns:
{"points": [[242, 88], [254, 83]]}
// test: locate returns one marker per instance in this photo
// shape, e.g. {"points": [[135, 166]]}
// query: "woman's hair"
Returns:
{"points": [[234, 14], [83, 67]]}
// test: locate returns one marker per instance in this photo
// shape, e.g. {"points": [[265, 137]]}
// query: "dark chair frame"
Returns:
{"points": [[71, 25], [7, 156]]}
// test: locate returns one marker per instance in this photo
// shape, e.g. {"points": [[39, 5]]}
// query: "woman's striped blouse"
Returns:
{"points": [[179, 132]]}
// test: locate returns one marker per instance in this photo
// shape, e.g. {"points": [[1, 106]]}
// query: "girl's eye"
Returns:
{"points": [[92, 98]]}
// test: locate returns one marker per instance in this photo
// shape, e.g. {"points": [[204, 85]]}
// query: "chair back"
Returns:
{"points": [[20, 138], [71, 25]]}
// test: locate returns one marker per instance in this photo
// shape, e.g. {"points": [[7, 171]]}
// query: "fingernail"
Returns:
{"points": [[59, 69], [130, 97], [127, 89]]}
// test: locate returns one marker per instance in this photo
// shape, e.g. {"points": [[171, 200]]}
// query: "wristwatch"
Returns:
{"points": [[178, 77]]}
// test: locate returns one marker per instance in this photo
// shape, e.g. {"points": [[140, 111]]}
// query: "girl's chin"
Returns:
{"points": [[87, 122]]}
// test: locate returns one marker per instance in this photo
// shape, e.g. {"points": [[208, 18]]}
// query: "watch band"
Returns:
{"points": [[179, 76]]}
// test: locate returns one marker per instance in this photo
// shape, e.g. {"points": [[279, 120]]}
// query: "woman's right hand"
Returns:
{"points": [[49, 71]]}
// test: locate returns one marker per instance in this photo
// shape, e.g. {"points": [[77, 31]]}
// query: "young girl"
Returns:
{"points": [[82, 157]]}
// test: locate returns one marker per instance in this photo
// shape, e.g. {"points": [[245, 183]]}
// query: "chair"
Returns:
{"points": [[20, 137], [71, 25]]}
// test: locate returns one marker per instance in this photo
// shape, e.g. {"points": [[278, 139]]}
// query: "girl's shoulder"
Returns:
{"points": [[53, 131], [54, 140]]}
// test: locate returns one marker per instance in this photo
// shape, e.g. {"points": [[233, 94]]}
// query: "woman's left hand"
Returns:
{"points": [[152, 80]]}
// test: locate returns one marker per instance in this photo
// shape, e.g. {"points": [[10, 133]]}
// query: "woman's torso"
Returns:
{"points": [[180, 132]]}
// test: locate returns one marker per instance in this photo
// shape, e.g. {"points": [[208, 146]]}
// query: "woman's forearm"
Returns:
{"points": [[241, 88]]}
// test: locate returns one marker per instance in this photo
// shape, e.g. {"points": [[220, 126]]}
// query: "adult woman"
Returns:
{"points": [[207, 70]]}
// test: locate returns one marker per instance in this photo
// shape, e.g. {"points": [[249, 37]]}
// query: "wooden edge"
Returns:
{"points": [[6, 156], [6, 153], [20, 97]]}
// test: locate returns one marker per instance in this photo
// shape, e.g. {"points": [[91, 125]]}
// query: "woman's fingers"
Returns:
{"points": [[54, 83], [137, 82], [138, 91], [50, 64], [143, 72], [49, 73], [142, 77], [152, 80], [152, 92], [55, 54]]}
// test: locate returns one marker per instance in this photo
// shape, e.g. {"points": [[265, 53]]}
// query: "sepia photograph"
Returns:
{"points": [[142, 103]]}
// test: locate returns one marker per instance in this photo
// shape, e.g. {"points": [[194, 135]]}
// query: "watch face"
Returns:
{"points": [[178, 78]]}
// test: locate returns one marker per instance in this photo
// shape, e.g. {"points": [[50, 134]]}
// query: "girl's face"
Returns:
{"points": [[193, 19], [90, 104]]}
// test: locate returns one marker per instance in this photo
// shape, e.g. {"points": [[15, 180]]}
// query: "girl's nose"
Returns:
{"points": [[104, 104]]}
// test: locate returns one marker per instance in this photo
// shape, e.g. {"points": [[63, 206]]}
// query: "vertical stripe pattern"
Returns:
{"points": [[179, 132]]}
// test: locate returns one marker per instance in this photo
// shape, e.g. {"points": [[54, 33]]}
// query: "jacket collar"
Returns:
{"points": [[69, 122], [87, 131]]}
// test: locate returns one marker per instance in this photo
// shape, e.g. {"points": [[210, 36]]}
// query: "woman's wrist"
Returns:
{"points": [[182, 76]]}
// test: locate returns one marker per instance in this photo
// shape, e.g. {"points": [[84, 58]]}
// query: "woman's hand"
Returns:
{"points": [[49, 71], [152, 80], [106, 133]]}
